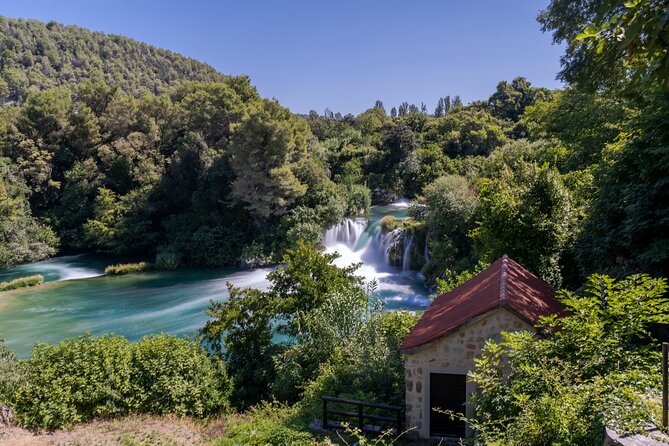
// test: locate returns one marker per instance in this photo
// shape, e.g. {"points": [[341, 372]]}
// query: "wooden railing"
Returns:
{"points": [[360, 415]]}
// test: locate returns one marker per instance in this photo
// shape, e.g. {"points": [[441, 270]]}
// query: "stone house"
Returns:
{"points": [[440, 350]]}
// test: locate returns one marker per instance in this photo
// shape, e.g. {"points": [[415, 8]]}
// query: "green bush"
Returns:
{"points": [[359, 199], [174, 375], [12, 374], [86, 377], [22, 282], [266, 425], [128, 268], [168, 259], [596, 367], [74, 381], [389, 224]]}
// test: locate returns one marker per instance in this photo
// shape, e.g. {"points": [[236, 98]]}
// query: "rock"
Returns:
{"points": [[652, 437]]}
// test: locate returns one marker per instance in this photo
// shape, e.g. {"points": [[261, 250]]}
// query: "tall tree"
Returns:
{"points": [[265, 152]]}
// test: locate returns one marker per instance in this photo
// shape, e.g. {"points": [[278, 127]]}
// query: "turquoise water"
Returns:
{"points": [[80, 299]]}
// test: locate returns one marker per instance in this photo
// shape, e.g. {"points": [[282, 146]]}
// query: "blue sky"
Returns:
{"points": [[340, 54]]}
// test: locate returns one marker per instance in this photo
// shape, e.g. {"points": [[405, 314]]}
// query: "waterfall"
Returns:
{"points": [[361, 240], [347, 232], [406, 255], [426, 251]]}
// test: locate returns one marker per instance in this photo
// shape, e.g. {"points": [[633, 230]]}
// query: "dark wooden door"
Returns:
{"points": [[447, 392]]}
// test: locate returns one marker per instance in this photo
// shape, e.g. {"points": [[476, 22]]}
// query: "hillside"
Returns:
{"points": [[43, 55]]}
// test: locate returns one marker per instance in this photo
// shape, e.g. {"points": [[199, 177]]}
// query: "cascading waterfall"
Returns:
{"points": [[347, 232], [359, 240], [406, 255]]}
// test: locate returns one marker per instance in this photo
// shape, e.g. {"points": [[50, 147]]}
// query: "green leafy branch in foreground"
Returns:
{"points": [[596, 367]]}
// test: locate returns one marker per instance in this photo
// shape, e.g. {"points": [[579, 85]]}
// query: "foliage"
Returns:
{"points": [[449, 205], [22, 237], [451, 280], [611, 41], [389, 223], [22, 282], [625, 230], [304, 280], [268, 424], [526, 213], [128, 268], [592, 368], [36, 55], [239, 329], [86, 377], [177, 376], [242, 328], [12, 374], [361, 360], [167, 259]]}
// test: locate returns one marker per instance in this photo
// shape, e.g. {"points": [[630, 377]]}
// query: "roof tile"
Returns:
{"points": [[505, 283]]}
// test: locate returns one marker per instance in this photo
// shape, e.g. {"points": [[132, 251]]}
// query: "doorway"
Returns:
{"points": [[447, 392]]}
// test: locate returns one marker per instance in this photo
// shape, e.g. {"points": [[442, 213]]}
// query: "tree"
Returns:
{"points": [[440, 110], [609, 42], [239, 329], [393, 112], [22, 237], [242, 327], [465, 132], [450, 202], [526, 213], [264, 152], [304, 280], [378, 104], [447, 104], [510, 99], [626, 229]]}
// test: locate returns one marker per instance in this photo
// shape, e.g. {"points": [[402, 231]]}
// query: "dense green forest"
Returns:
{"points": [[567, 182], [36, 56], [573, 184]]}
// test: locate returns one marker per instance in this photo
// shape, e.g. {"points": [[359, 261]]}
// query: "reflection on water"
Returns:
{"points": [[139, 304]]}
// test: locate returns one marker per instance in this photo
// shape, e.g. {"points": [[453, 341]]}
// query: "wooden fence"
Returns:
{"points": [[359, 415]]}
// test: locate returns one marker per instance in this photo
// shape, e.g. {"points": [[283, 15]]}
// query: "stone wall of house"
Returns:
{"points": [[454, 354]]}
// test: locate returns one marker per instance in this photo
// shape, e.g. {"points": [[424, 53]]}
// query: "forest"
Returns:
{"points": [[112, 146]]}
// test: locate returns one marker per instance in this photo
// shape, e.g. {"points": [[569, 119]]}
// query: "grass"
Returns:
{"points": [[22, 282], [128, 268]]}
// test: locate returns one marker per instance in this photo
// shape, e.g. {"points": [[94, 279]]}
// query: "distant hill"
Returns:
{"points": [[40, 55]]}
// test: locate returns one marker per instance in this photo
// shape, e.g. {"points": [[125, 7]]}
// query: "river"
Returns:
{"points": [[79, 298]]}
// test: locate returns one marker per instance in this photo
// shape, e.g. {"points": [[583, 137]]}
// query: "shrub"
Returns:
{"points": [[359, 199], [389, 224], [175, 375], [12, 374], [269, 424], [87, 377], [74, 381], [595, 367], [168, 259], [128, 268], [22, 282]]}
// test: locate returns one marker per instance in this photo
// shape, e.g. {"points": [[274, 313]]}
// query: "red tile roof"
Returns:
{"points": [[505, 283]]}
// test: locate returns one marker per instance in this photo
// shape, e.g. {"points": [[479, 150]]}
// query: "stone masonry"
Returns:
{"points": [[453, 353]]}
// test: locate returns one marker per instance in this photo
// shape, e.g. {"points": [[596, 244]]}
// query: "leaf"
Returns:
{"points": [[590, 31]]}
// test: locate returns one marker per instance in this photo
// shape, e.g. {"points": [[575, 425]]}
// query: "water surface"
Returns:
{"points": [[80, 299]]}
